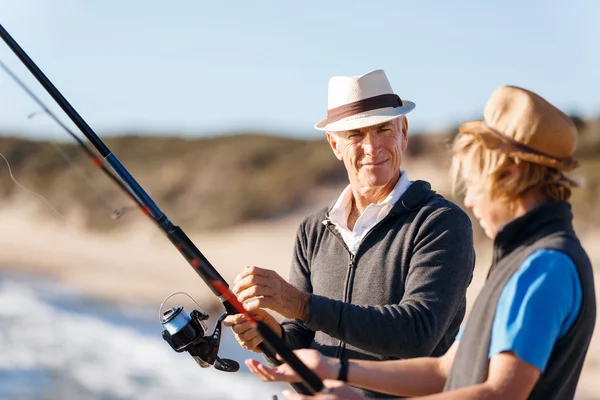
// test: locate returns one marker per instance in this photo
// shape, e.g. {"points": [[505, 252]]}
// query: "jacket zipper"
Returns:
{"points": [[346, 284], [349, 273], [349, 278]]}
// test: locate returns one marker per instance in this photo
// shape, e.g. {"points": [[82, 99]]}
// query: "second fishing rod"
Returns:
{"points": [[272, 344]]}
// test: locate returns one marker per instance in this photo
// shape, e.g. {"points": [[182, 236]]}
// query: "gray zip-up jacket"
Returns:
{"points": [[402, 295]]}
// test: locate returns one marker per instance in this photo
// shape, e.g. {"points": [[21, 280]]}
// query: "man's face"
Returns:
{"points": [[371, 155]]}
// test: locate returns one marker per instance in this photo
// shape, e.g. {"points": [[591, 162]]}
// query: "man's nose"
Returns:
{"points": [[371, 144]]}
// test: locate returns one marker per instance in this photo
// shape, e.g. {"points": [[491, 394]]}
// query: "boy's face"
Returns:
{"points": [[491, 214]]}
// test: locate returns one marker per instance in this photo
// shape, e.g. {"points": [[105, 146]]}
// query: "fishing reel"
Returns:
{"points": [[186, 332]]}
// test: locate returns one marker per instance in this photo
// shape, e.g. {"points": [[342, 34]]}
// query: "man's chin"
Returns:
{"points": [[376, 180]]}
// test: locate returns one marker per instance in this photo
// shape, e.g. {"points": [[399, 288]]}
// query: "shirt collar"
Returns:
{"points": [[341, 209]]}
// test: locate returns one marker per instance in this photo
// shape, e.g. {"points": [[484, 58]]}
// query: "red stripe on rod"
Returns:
{"points": [[97, 162], [230, 297]]}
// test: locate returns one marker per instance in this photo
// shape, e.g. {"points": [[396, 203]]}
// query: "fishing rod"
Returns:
{"points": [[272, 344]]}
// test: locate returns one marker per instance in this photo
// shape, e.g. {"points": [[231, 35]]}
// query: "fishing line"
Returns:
{"points": [[116, 212], [28, 190]]}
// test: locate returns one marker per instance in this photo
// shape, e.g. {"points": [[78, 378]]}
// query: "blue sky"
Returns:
{"points": [[197, 67]]}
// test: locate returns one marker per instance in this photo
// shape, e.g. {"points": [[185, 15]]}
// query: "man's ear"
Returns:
{"points": [[404, 131], [334, 142]]}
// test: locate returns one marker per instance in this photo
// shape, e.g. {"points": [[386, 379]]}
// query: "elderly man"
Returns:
{"points": [[382, 274]]}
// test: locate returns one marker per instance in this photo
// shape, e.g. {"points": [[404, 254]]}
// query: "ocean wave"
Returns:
{"points": [[48, 351]]}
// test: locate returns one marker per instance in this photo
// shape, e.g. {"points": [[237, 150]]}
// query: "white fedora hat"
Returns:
{"points": [[355, 102]]}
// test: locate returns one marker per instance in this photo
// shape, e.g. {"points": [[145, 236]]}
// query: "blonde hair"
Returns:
{"points": [[500, 176]]}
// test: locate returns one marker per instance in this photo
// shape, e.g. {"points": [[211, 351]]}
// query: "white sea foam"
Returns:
{"points": [[102, 359]]}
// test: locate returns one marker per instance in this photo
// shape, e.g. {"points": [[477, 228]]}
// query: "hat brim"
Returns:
{"points": [[368, 118], [493, 141]]}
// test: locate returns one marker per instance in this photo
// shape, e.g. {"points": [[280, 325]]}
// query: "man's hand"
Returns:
{"points": [[247, 335], [263, 288], [324, 367], [338, 391]]}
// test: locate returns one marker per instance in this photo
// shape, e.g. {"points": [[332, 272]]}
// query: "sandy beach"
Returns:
{"points": [[139, 265]]}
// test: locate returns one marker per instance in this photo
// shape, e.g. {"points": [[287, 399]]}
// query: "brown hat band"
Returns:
{"points": [[511, 144], [357, 107]]}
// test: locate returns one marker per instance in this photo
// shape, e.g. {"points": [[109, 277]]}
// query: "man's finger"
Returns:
{"points": [[254, 291], [248, 335], [250, 344], [261, 271], [235, 319], [259, 314], [253, 270], [255, 309], [253, 343], [250, 280], [261, 302], [241, 327]]}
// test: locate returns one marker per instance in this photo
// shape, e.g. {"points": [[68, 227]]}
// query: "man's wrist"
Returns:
{"points": [[304, 306]]}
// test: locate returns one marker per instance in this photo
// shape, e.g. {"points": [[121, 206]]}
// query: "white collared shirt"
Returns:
{"points": [[369, 218]]}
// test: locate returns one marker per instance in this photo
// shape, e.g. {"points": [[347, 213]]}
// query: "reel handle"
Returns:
{"points": [[226, 365]]}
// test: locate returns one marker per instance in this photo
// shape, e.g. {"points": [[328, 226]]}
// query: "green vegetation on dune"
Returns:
{"points": [[217, 182], [200, 183]]}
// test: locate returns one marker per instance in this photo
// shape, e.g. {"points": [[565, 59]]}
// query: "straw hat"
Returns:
{"points": [[524, 125], [356, 102]]}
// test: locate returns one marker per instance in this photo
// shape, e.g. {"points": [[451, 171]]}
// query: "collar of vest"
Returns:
{"points": [[547, 217]]}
